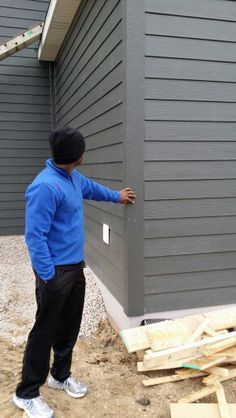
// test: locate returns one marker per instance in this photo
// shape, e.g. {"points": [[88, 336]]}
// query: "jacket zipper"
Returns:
{"points": [[70, 179]]}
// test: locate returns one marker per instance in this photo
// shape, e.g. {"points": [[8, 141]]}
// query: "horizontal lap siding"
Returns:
{"points": [[89, 96], [190, 154], [25, 113]]}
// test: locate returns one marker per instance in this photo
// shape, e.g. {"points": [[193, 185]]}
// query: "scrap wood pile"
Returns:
{"points": [[202, 345]]}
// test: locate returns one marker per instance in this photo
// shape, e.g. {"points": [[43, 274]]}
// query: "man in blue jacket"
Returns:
{"points": [[55, 240]]}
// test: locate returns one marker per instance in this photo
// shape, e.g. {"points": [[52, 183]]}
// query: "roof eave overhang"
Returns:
{"points": [[58, 20]]}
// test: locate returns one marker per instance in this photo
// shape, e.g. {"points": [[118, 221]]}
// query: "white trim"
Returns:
{"points": [[58, 20], [122, 321]]}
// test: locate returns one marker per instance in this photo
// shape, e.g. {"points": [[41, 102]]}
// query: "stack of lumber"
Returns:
{"points": [[201, 345]]}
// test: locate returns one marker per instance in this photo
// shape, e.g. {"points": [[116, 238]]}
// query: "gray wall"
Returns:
{"points": [[190, 152], [88, 96], [25, 113]]}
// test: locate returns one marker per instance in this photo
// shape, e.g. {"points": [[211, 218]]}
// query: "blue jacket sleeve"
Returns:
{"points": [[95, 191], [41, 204]]}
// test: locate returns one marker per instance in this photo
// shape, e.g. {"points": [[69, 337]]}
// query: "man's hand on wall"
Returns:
{"points": [[127, 196]]}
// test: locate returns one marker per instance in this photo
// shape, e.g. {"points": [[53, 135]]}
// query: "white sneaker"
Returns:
{"points": [[71, 386], [34, 408]]}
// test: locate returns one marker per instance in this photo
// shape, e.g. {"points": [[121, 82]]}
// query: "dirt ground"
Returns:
{"points": [[115, 387]]}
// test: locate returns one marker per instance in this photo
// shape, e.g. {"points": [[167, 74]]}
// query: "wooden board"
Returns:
{"points": [[141, 338], [199, 331], [171, 334], [204, 363], [195, 396], [216, 348], [212, 379], [186, 350], [222, 402], [165, 366], [197, 410], [171, 378]]}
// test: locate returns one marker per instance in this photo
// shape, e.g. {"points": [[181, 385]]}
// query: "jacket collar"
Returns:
{"points": [[62, 171]]}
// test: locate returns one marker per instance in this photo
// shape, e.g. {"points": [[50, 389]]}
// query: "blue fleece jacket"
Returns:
{"points": [[54, 217]]}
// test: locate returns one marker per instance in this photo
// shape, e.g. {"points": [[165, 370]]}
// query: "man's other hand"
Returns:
{"points": [[127, 196]]}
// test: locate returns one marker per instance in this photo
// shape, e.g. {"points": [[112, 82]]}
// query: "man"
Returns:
{"points": [[55, 239]]}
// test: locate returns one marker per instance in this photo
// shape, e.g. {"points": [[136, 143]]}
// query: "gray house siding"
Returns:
{"points": [[25, 113], [89, 96], [190, 153]]}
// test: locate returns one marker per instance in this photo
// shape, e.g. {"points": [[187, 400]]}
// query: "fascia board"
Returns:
{"points": [[58, 20]]}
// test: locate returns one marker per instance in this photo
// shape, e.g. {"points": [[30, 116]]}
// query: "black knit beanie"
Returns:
{"points": [[67, 145]]}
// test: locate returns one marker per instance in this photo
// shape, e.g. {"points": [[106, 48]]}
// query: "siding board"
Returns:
{"points": [[190, 131], [11, 203], [161, 190], [173, 47], [15, 230], [81, 86], [190, 151], [107, 207], [12, 91], [162, 247], [11, 197], [41, 6], [107, 171], [104, 137], [89, 97], [94, 227], [101, 217], [104, 51], [99, 107], [13, 188], [11, 214], [20, 169], [80, 100], [189, 27], [101, 155], [106, 120], [25, 113], [26, 81], [37, 103], [105, 270], [186, 281], [189, 208], [189, 168], [14, 223], [157, 89], [82, 22], [91, 62], [183, 69], [170, 110], [23, 135], [193, 299], [94, 38], [210, 9], [178, 227], [189, 263]]}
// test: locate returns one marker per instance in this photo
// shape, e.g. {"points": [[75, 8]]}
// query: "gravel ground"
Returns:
{"points": [[17, 302]]}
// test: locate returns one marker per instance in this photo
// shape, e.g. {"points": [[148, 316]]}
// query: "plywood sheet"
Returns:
{"points": [[209, 410]]}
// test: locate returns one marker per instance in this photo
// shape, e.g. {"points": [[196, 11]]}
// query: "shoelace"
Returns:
{"points": [[40, 402], [73, 382], [29, 404]]}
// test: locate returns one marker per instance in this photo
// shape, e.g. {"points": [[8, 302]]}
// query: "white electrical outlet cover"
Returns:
{"points": [[106, 234]]}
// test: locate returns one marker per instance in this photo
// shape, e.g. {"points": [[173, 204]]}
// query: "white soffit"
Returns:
{"points": [[58, 20]]}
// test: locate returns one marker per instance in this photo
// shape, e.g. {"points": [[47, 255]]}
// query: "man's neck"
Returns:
{"points": [[68, 167]]}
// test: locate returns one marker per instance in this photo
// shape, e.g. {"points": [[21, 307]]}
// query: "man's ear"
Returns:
{"points": [[80, 161]]}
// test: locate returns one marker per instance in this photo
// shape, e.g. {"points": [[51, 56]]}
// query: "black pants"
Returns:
{"points": [[60, 304]]}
